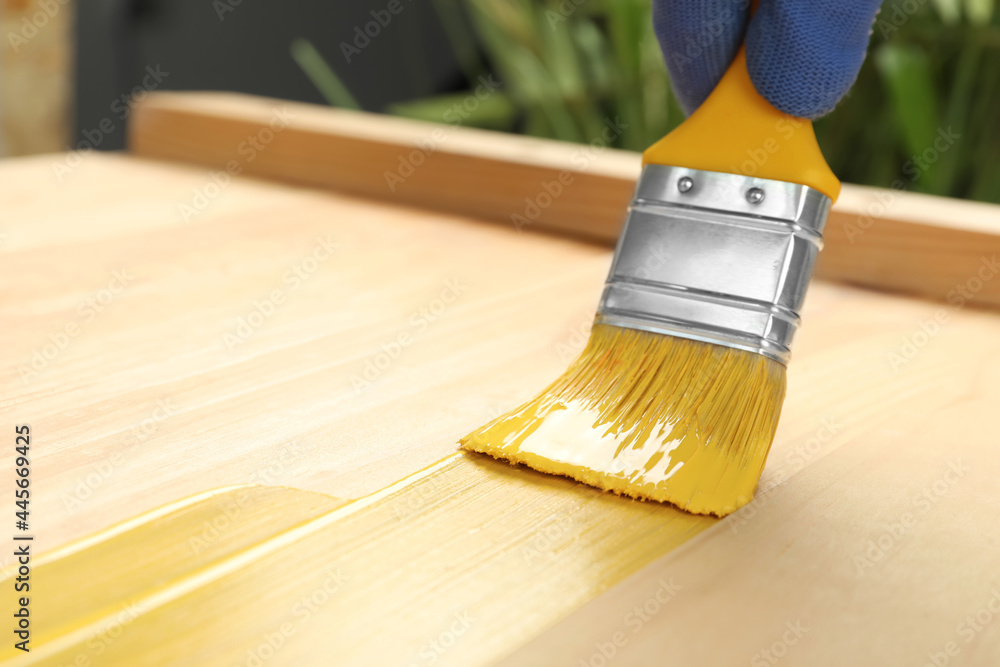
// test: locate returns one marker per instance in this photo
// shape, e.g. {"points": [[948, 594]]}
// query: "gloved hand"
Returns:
{"points": [[803, 55]]}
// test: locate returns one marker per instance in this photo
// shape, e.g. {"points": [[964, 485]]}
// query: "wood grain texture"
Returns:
{"points": [[883, 549], [891, 240], [873, 539], [153, 399], [434, 569], [150, 399], [91, 589]]}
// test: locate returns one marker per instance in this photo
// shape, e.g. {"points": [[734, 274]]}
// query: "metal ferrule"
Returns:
{"points": [[716, 257]]}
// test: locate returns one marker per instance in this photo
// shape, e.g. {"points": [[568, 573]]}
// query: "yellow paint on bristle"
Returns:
{"points": [[650, 416]]}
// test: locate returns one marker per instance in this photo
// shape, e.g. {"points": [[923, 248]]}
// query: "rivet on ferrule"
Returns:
{"points": [[716, 262]]}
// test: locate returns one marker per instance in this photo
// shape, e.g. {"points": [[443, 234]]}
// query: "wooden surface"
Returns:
{"points": [[892, 240], [880, 546], [151, 400], [454, 565]]}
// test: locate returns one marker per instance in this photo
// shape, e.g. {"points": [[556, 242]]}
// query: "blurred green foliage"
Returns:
{"points": [[566, 65], [932, 72]]}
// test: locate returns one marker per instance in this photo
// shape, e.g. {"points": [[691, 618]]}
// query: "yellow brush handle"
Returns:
{"points": [[736, 131]]}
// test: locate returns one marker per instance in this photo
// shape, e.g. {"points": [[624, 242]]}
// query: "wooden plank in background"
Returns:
{"points": [[898, 241]]}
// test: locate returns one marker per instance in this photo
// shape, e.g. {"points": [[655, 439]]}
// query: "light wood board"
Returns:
{"points": [[887, 239], [147, 403]]}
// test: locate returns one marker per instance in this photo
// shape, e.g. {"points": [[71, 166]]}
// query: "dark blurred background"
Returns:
{"points": [[563, 66], [248, 47]]}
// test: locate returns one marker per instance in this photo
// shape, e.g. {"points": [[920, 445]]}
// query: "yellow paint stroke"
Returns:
{"points": [[457, 564], [95, 582], [650, 416]]}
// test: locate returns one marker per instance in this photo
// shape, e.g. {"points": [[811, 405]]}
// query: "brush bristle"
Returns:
{"points": [[650, 416]]}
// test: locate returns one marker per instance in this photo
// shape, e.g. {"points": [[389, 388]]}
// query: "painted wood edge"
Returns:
{"points": [[933, 247]]}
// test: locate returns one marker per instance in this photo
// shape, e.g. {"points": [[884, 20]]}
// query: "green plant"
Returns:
{"points": [[925, 112], [567, 66]]}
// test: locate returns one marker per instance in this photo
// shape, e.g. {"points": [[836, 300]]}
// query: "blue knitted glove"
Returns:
{"points": [[803, 55]]}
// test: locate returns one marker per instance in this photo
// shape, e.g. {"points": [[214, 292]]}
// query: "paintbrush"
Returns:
{"points": [[677, 395]]}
